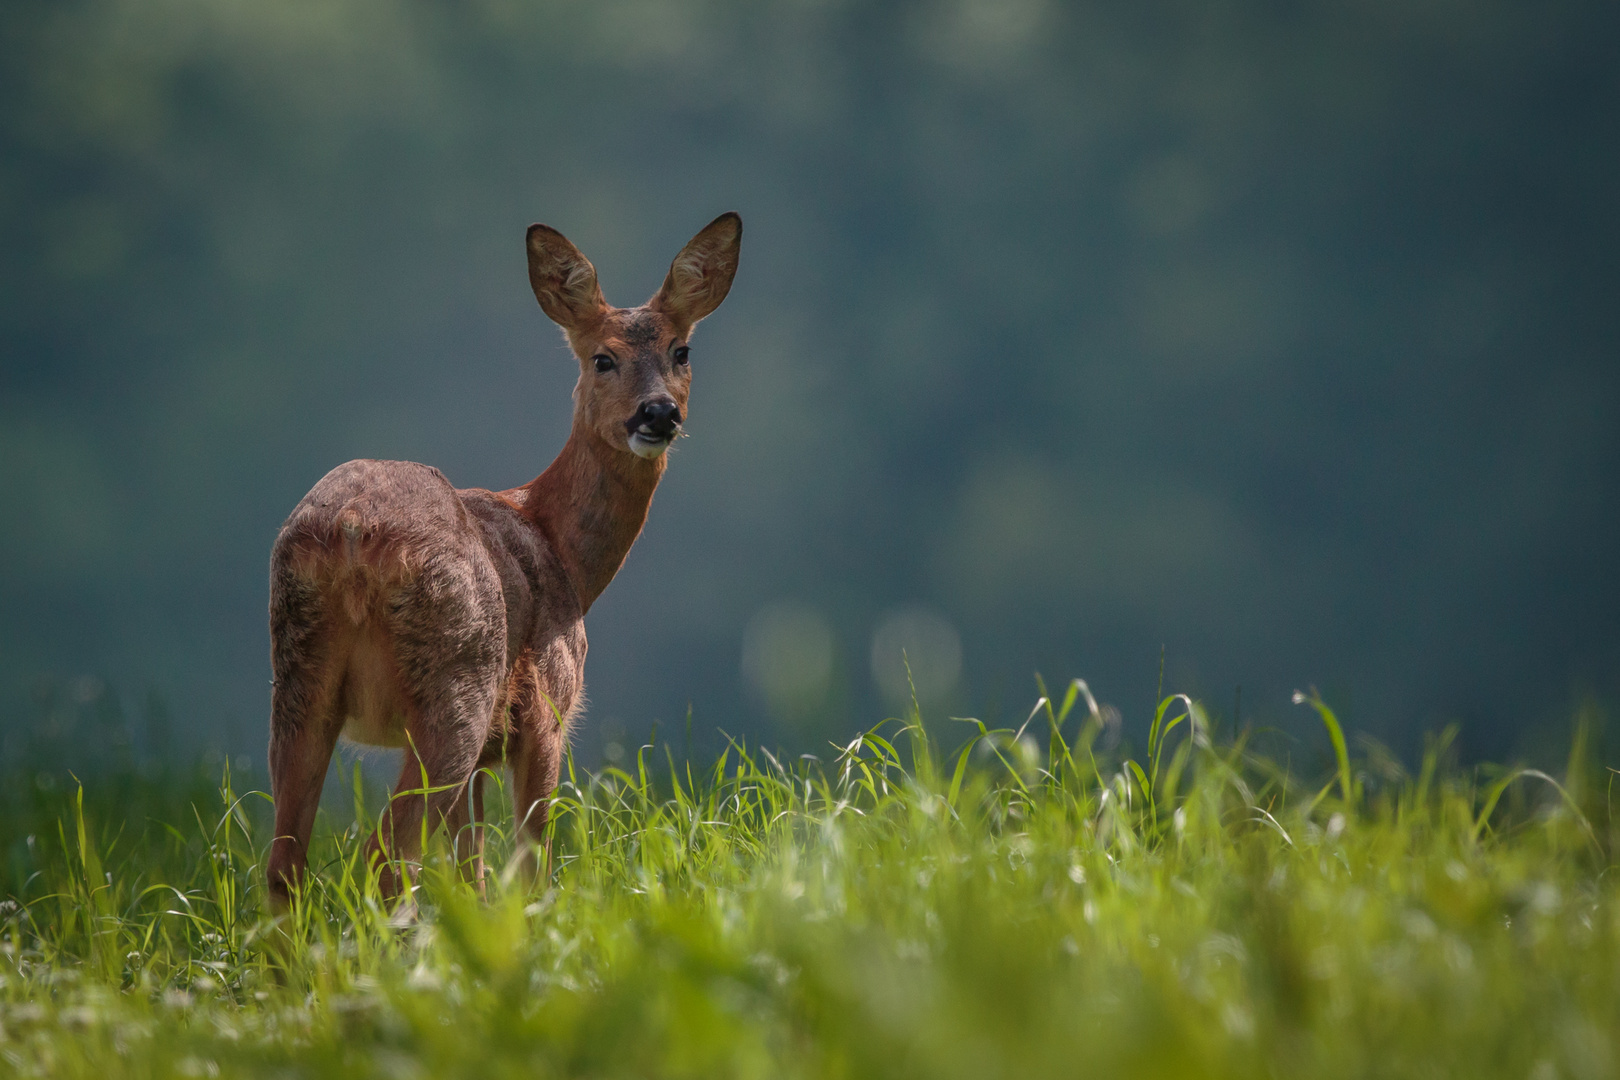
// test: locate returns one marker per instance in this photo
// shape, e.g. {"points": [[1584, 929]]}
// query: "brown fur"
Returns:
{"points": [[404, 612]]}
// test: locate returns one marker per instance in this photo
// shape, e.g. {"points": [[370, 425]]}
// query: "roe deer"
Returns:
{"points": [[407, 613]]}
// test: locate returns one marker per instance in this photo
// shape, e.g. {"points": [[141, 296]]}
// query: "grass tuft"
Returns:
{"points": [[895, 910]]}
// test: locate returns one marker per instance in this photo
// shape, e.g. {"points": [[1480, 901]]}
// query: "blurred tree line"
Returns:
{"points": [[1277, 337]]}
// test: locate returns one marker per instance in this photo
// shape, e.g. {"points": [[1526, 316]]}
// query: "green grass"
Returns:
{"points": [[1026, 906]]}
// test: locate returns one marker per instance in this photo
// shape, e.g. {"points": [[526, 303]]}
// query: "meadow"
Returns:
{"points": [[930, 900]]}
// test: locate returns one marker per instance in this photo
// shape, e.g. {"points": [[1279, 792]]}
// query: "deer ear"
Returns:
{"points": [[564, 281], [701, 274]]}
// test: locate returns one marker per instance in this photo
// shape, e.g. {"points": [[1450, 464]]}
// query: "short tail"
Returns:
{"points": [[355, 559], [354, 584], [351, 529]]}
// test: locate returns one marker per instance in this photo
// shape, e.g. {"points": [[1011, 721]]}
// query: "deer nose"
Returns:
{"points": [[661, 416]]}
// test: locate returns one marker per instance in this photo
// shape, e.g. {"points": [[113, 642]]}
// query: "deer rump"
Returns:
{"points": [[417, 603]]}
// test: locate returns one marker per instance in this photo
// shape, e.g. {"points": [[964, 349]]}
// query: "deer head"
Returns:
{"points": [[635, 368]]}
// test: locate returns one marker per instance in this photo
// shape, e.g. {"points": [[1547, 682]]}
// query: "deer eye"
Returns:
{"points": [[682, 354], [603, 362]]}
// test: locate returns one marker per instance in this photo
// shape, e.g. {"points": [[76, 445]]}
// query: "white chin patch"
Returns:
{"points": [[641, 446]]}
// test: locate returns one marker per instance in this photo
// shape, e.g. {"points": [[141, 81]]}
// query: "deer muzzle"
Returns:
{"points": [[654, 427]]}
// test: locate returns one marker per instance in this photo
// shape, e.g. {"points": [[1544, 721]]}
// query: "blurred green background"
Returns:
{"points": [[1282, 337]]}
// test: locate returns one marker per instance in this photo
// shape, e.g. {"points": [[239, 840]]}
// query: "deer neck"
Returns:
{"points": [[591, 503]]}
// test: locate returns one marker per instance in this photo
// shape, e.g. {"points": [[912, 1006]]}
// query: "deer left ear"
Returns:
{"points": [[563, 279], [700, 277]]}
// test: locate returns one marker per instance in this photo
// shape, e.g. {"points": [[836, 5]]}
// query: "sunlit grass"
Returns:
{"points": [[1026, 905]]}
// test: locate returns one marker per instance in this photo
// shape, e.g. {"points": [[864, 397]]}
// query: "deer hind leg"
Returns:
{"points": [[465, 823], [439, 762], [304, 726]]}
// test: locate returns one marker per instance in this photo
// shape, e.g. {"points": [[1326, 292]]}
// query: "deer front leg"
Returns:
{"points": [[537, 746]]}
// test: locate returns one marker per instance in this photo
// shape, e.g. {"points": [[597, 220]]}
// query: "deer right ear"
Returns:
{"points": [[564, 281], [701, 274]]}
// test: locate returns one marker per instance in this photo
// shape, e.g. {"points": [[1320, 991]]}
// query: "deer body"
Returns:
{"points": [[405, 612]]}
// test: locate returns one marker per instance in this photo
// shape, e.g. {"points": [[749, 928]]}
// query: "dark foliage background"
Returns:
{"points": [[1280, 336]]}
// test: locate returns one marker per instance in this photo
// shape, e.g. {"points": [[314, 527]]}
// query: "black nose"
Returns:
{"points": [[660, 416]]}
